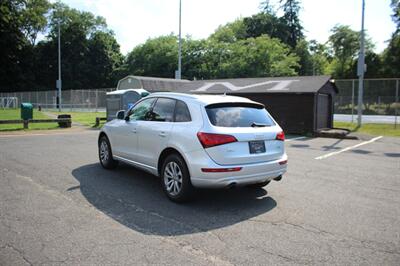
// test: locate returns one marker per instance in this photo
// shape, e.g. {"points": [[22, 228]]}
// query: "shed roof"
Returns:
{"points": [[152, 83], [119, 92], [304, 84]]}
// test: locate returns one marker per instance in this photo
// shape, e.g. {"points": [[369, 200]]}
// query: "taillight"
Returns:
{"points": [[280, 136], [210, 140], [283, 162]]}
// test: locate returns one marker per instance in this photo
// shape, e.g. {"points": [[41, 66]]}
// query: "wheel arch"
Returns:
{"points": [[164, 154], [102, 134]]}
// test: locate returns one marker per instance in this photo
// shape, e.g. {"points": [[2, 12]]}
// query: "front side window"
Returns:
{"points": [[141, 110], [163, 110]]}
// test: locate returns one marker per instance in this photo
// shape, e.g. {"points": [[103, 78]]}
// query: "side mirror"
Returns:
{"points": [[121, 114]]}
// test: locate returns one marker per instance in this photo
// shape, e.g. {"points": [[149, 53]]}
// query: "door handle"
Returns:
{"points": [[162, 134], [134, 130]]}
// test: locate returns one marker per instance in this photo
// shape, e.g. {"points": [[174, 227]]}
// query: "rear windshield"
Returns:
{"points": [[238, 115]]}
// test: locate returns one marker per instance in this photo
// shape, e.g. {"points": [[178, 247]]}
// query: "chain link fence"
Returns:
{"points": [[72, 100], [381, 97]]}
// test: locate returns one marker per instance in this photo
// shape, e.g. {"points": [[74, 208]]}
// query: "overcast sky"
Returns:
{"points": [[134, 21]]}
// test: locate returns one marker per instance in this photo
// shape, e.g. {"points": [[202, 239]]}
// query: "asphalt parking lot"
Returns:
{"points": [[334, 206]]}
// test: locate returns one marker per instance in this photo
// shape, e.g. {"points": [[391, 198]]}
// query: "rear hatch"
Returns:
{"points": [[252, 127]]}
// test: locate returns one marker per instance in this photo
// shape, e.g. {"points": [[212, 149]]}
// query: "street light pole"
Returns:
{"points": [[59, 68], [179, 73], [361, 69]]}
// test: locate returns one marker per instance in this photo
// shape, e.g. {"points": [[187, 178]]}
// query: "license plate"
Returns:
{"points": [[257, 146]]}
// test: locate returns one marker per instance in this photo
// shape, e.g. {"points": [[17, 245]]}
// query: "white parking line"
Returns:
{"points": [[348, 148], [296, 138]]}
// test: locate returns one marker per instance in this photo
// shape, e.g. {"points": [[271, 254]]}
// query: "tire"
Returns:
{"points": [[105, 154], [260, 185], [175, 179]]}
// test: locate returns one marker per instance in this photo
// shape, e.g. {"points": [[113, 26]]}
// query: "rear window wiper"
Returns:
{"points": [[254, 124]]}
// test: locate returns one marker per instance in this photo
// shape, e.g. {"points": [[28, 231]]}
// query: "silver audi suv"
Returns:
{"points": [[196, 141]]}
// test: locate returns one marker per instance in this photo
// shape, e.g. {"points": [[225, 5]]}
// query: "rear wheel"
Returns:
{"points": [[175, 179], [260, 185], [105, 154]]}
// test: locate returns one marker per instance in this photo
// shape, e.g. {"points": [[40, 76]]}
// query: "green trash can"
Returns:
{"points": [[26, 111]]}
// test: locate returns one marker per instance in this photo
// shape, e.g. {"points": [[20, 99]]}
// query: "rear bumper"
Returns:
{"points": [[249, 174]]}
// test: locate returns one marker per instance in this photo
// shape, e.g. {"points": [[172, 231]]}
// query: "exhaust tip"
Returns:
{"points": [[231, 185], [279, 178]]}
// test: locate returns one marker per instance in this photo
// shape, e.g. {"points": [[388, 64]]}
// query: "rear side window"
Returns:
{"points": [[182, 112], [163, 110], [238, 115]]}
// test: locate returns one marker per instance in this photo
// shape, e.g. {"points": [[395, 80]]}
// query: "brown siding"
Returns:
{"points": [[293, 112]]}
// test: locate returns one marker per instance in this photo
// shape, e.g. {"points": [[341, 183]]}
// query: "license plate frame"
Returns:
{"points": [[257, 146]]}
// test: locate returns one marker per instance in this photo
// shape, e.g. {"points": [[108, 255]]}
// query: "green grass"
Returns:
{"points": [[13, 114], [84, 118], [371, 129], [370, 109]]}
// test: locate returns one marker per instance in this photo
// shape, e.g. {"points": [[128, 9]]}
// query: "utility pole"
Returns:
{"points": [[361, 69], [178, 73], [59, 68]]}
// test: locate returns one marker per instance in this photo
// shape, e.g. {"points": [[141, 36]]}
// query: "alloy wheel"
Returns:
{"points": [[104, 154], [173, 178]]}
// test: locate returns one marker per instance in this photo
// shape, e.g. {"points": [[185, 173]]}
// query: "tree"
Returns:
{"points": [[391, 55], [211, 59], [319, 58], [305, 59], [91, 56], [374, 65], [266, 23], [267, 7], [195, 60], [157, 57], [34, 18], [105, 59], [71, 19], [214, 57], [291, 10], [89, 51], [395, 4], [259, 57], [345, 44], [231, 32], [12, 45], [287, 28]]}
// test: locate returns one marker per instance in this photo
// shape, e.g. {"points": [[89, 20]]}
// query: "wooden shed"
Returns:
{"points": [[298, 104]]}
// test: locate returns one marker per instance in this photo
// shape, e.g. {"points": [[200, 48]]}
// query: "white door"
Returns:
{"points": [[128, 133], [124, 138], [153, 135]]}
